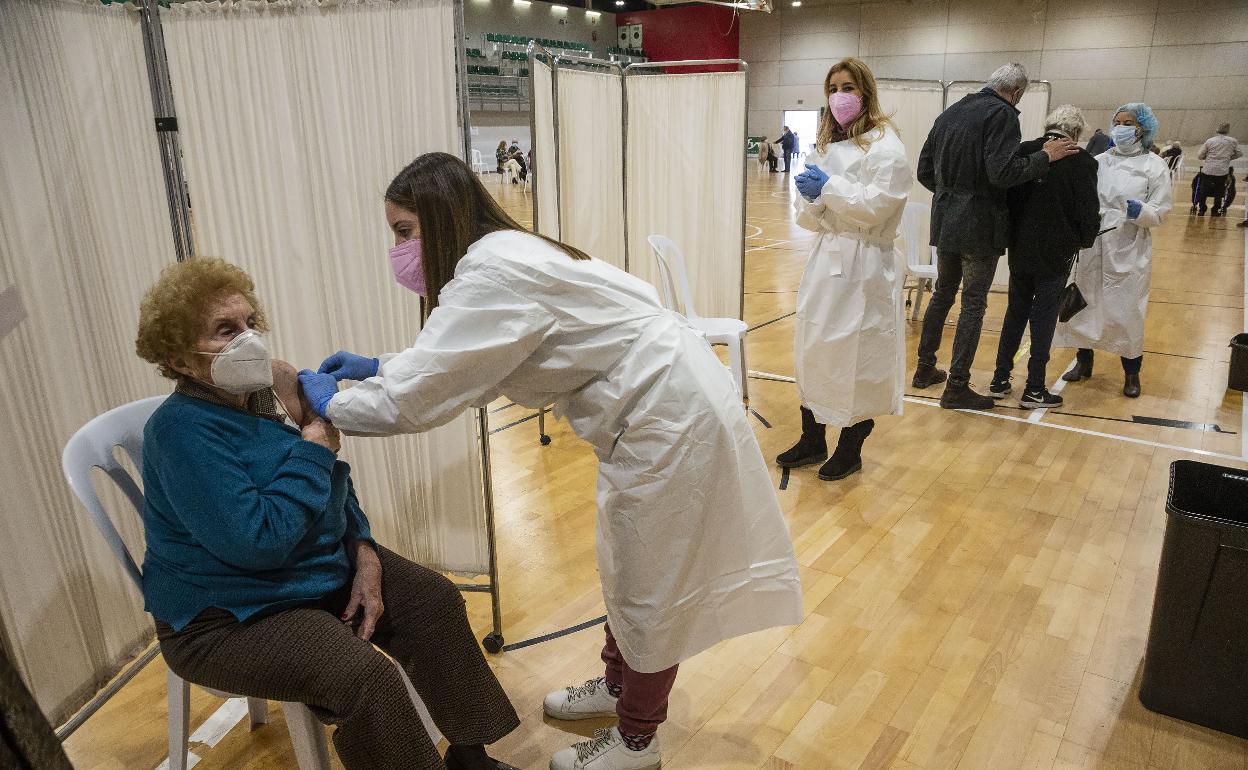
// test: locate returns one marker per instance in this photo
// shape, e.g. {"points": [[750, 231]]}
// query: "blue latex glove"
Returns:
{"points": [[349, 366], [810, 182], [318, 389], [1133, 209]]}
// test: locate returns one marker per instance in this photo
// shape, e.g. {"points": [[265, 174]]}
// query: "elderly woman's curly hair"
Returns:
{"points": [[171, 315]]}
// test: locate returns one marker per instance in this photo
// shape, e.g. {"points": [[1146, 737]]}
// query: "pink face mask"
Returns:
{"points": [[409, 266], [846, 107]]}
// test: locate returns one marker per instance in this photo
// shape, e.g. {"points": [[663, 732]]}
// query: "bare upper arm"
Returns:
{"points": [[286, 388]]}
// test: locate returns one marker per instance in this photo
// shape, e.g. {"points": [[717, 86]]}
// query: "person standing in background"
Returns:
{"points": [[969, 160], [788, 144], [1098, 144], [1217, 153], [1050, 222], [850, 357], [1114, 275]]}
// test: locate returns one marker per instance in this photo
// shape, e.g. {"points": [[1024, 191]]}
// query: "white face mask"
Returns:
{"points": [[243, 366]]}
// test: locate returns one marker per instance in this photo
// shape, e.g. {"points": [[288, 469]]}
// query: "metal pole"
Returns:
{"points": [[493, 642], [745, 133], [166, 128], [624, 163], [461, 84]]}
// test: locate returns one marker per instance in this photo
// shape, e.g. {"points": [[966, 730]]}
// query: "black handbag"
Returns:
{"points": [[1072, 300]]}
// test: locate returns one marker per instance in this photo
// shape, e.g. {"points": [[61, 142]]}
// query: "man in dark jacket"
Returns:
{"points": [[1051, 220], [1099, 143], [788, 143], [969, 160]]}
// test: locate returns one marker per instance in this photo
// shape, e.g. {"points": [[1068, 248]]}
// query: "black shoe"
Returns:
{"points": [[473, 758], [1243, 224], [811, 448], [1039, 399], [999, 389], [927, 376], [1201, 213], [962, 397], [1131, 386], [1080, 371], [847, 459], [1218, 214]]}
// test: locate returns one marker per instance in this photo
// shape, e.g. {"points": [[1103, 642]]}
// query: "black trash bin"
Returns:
{"points": [[1238, 379], [1196, 665]]}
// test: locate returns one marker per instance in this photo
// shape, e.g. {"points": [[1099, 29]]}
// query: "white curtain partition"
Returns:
{"points": [[914, 106], [545, 170], [591, 162], [688, 190], [84, 229], [294, 118]]}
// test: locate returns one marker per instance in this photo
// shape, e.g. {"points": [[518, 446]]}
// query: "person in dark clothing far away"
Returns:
{"points": [[788, 145], [1051, 219], [1099, 143], [969, 161]]}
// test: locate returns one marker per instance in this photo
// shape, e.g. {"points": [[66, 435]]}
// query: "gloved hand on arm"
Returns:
{"points": [[318, 389], [1134, 208], [810, 182], [349, 366]]}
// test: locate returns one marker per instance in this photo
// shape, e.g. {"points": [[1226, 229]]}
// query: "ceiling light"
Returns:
{"points": [[619, 3], [522, 3], [797, 3]]}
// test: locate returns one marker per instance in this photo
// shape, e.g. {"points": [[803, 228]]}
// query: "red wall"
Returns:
{"points": [[688, 32]]}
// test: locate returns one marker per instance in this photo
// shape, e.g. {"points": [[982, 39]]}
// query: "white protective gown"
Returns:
{"points": [[1115, 272], [850, 347], [692, 546]]}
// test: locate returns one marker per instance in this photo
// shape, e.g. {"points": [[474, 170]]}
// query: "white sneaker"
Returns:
{"points": [[607, 752], [591, 700]]}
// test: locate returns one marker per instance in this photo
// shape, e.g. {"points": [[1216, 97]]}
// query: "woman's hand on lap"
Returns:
{"points": [[365, 591]]}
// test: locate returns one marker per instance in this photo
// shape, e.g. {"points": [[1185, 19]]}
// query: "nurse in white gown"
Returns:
{"points": [[692, 546], [1114, 274], [850, 346]]}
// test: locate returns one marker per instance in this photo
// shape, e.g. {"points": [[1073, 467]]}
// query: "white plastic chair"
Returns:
{"points": [[1177, 172], [675, 291], [920, 257], [478, 165], [93, 446]]}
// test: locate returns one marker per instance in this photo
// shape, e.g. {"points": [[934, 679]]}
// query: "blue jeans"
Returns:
{"points": [[1034, 300], [974, 275]]}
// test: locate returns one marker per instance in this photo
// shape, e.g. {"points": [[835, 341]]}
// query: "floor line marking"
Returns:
{"points": [[1086, 432], [213, 729]]}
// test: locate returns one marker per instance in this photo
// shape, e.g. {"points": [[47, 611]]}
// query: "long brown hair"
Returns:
{"points": [[455, 211], [871, 117]]}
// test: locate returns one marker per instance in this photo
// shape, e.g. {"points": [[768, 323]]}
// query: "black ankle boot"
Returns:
{"points": [[811, 448], [847, 459], [1131, 386], [1081, 371], [473, 758]]}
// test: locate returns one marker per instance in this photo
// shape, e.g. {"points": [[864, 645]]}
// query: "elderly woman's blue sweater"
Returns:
{"points": [[242, 513]]}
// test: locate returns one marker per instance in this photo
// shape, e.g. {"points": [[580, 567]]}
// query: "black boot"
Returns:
{"points": [[811, 448], [925, 376], [847, 459], [1131, 386], [1082, 370], [472, 758], [962, 397]]}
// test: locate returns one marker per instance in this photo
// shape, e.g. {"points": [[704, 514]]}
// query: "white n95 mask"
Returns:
{"points": [[243, 366]]}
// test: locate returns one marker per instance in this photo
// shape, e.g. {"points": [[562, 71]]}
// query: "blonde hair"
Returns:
{"points": [[171, 314], [872, 115]]}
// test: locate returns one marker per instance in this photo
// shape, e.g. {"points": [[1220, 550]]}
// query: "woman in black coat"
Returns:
{"points": [[1051, 219]]}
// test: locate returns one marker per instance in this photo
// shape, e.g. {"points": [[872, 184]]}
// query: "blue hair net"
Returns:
{"points": [[1145, 117]]}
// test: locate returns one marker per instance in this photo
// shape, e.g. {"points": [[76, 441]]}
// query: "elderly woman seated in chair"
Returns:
{"points": [[260, 567]]}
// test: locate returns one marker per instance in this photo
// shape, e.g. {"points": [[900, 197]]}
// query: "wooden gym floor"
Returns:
{"points": [[978, 597]]}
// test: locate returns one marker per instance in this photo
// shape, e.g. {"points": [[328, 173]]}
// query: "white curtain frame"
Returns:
{"points": [[692, 191], [591, 162], [294, 117], [84, 230], [913, 106], [545, 142]]}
